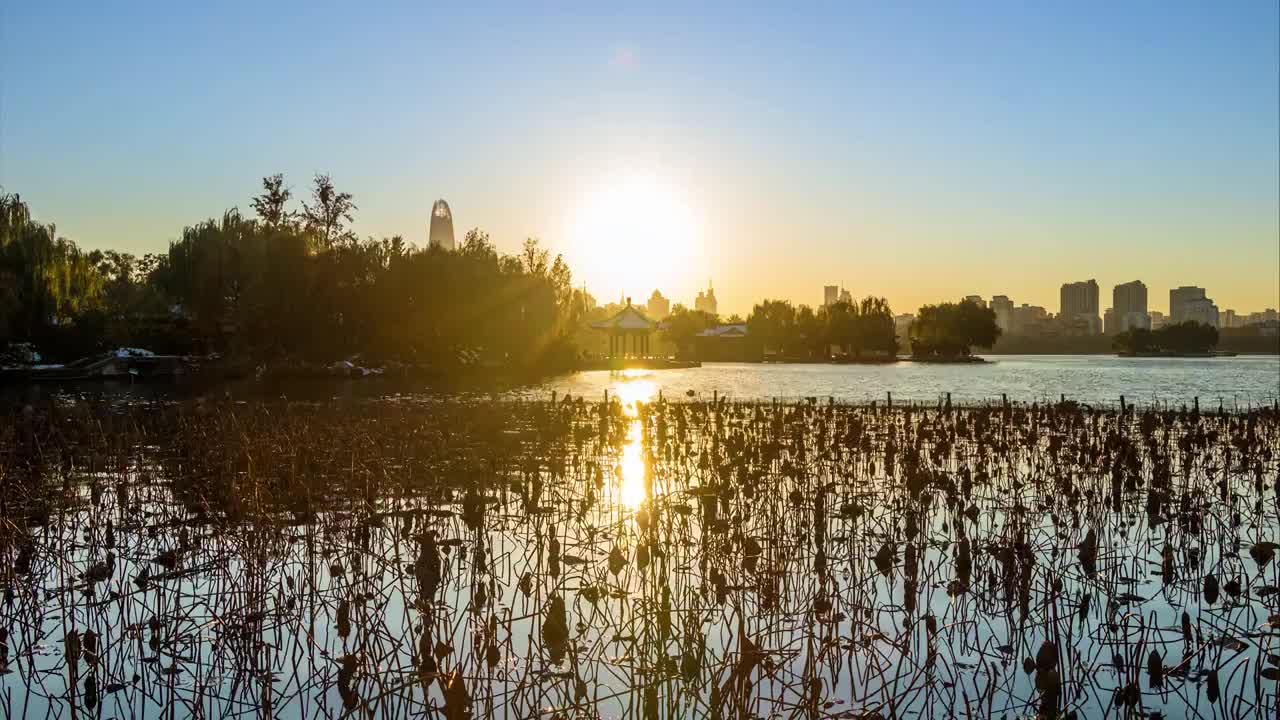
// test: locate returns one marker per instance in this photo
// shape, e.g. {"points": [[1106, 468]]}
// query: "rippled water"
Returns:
{"points": [[1237, 382]]}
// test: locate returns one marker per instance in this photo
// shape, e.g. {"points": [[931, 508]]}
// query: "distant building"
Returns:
{"points": [[1190, 303], [441, 229], [1029, 320], [1266, 317], [1109, 324], [830, 295], [1078, 307], [1229, 319], [1203, 311], [976, 300], [725, 343], [1003, 308], [658, 306], [1158, 319], [1129, 302], [706, 301], [846, 297], [902, 327]]}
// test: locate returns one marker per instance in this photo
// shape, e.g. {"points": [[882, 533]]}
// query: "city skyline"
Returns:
{"points": [[930, 144]]}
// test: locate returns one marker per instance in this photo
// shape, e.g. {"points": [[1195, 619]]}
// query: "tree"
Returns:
{"points": [[875, 328], [811, 327], [950, 330], [271, 205], [682, 327], [773, 324], [329, 210], [1184, 337]]}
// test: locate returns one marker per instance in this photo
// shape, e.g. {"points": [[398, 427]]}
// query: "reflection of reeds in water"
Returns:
{"points": [[640, 559]]}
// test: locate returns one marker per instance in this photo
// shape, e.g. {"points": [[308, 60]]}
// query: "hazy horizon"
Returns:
{"points": [[997, 150]]}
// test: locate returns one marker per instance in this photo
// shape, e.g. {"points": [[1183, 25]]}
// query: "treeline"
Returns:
{"points": [[783, 330], [1185, 337], [291, 281], [949, 331]]}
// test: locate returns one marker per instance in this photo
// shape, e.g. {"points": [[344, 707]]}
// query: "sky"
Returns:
{"points": [[917, 151]]}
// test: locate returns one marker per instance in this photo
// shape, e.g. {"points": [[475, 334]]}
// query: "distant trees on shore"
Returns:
{"points": [[287, 283], [949, 331], [1185, 337], [802, 332]]}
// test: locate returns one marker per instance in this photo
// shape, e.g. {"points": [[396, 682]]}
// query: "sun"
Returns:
{"points": [[634, 232]]}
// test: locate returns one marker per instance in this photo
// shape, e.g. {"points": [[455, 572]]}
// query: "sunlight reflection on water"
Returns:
{"points": [[637, 386]]}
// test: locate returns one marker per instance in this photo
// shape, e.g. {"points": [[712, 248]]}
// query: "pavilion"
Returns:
{"points": [[628, 325]]}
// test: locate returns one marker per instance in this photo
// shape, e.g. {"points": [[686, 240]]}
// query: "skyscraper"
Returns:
{"points": [[658, 306], [1190, 303], [1003, 308], [441, 232], [1079, 306], [830, 295], [1129, 301], [706, 302]]}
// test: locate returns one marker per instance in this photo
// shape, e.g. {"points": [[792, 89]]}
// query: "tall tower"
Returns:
{"points": [[441, 233]]}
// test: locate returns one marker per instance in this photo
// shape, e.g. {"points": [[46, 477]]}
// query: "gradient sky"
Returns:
{"points": [[920, 151]]}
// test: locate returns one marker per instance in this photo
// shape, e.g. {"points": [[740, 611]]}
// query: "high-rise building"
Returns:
{"points": [[1190, 303], [1158, 319], [830, 295], [706, 301], [1003, 308], [1230, 319], [441, 232], [1201, 310], [1129, 301], [658, 306], [1109, 324], [846, 296], [1079, 306], [976, 300]]}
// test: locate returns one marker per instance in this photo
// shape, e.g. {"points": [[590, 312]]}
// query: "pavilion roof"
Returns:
{"points": [[629, 318], [730, 330]]}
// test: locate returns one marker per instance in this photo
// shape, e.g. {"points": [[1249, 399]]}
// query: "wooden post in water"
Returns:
{"points": [[553, 397], [1062, 399], [889, 402], [948, 402], [1197, 404], [1122, 406]]}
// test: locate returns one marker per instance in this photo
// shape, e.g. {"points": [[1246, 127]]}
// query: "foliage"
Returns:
{"points": [[1185, 337], [855, 328], [949, 330], [290, 283], [47, 280], [683, 325]]}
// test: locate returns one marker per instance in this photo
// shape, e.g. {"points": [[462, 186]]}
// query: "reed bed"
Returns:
{"points": [[564, 558]]}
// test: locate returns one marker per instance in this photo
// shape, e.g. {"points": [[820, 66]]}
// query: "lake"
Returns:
{"points": [[1235, 381], [1238, 382]]}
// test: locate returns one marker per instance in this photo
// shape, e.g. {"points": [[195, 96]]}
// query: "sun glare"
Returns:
{"points": [[634, 482], [634, 231]]}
